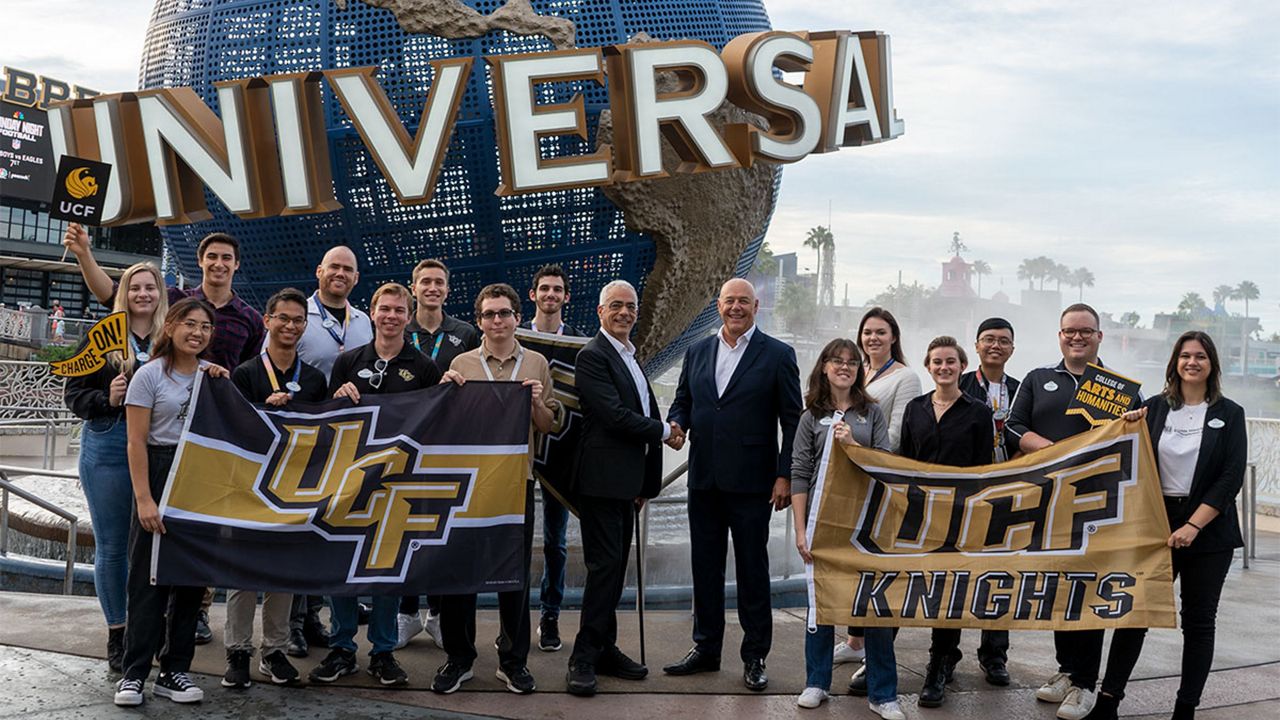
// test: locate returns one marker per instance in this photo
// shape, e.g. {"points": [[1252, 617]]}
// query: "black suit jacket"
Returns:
{"points": [[620, 449], [735, 436], [1219, 470]]}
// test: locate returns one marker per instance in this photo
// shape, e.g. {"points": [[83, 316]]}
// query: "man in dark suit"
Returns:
{"points": [[736, 388], [619, 466]]}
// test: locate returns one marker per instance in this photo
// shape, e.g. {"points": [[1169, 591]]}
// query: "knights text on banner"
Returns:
{"points": [[1072, 537], [407, 493]]}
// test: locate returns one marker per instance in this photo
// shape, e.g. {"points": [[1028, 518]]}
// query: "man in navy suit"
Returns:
{"points": [[736, 388], [618, 467]]}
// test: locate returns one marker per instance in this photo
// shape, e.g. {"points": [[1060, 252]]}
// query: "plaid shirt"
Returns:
{"points": [[238, 330]]}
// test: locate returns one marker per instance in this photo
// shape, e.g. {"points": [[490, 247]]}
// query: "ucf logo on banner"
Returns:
{"points": [[419, 492], [1068, 538]]}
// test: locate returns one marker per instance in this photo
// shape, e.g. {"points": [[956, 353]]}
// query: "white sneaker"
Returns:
{"points": [[1078, 703], [845, 654], [890, 710], [812, 697], [1055, 689], [129, 693], [408, 626], [432, 624]]}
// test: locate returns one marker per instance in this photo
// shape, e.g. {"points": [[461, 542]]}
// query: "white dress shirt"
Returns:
{"points": [[628, 353], [727, 357]]}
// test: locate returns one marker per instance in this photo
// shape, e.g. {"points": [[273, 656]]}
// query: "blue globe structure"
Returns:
{"points": [[483, 238]]}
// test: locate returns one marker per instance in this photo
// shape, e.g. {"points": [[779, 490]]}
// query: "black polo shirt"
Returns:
{"points": [[450, 340], [964, 437], [250, 378], [410, 370]]}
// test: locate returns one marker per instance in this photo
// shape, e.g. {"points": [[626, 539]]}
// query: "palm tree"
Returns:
{"points": [[1190, 303], [1246, 291], [980, 268], [821, 240], [1130, 319], [957, 245], [1081, 278], [766, 263], [1222, 294], [1060, 273], [1044, 269], [1027, 271]]}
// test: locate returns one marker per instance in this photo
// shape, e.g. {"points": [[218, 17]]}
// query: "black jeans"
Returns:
{"points": [[458, 613], [161, 617], [305, 607], [607, 524], [1203, 575], [714, 515], [945, 645], [1079, 655]]}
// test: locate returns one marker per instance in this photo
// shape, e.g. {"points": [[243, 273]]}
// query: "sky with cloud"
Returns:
{"points": [[1139, 139]]}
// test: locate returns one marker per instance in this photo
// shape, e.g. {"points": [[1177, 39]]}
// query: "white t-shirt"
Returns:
{"points": [[167, 394], [1180, 447]]}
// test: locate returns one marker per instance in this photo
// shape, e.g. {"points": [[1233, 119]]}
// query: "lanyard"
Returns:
{"points": [[329, 323], [292, 385], [515, 371], [880, 372], [999, 404], [138, 353], [435, 350]]}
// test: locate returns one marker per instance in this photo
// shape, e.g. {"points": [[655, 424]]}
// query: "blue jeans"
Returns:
{"points": [[382, 623], [104, 476], [882, 665], [817, 656], [555, 525]]}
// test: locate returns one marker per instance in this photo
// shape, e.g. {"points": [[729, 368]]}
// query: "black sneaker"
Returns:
{"points": [[337, 663], [115, 649], [177, 687], [449, 677], [519, 680], [386, 670], [315, 633], [237, 675], [128, 693], [549, 634], [277, 667], [581, 679], [858, 682], [203, 633], [297, 646]]}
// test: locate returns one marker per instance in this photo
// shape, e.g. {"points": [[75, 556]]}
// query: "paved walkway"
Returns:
{"points": [[50, 645]]}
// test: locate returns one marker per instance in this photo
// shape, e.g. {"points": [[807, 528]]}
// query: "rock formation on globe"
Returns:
{"points": [[453, 20]]}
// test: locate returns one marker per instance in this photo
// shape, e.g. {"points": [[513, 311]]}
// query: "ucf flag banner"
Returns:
{"points": [[554, 452], [409, 493], [1068, 538]]}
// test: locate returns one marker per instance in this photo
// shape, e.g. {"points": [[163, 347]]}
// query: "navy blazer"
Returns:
{"points": [[620, 450], [1219, 473], [734, 437]]}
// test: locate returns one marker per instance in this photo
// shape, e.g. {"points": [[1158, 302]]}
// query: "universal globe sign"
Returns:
{"points": [[496, 136]]}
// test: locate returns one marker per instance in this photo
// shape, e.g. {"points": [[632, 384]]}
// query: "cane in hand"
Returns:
{"points": [[640, 583]]}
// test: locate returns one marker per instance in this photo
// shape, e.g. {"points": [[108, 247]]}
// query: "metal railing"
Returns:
{"points": [[73, 523], [50, 436], [1249, 514]]}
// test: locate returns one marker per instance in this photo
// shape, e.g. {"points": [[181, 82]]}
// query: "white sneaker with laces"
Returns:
{"points": [[812, 697], [890, 710], [1078, 703], [408, 626], [432, 625], [845, 654], [129, 693], [1055, 689]]}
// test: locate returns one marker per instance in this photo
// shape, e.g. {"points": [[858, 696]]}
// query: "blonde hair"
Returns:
{"points": [[124, 361], [391, 288]]}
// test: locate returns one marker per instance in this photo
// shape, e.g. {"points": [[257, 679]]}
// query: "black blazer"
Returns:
{"points": [[1219, 470], [735, 436], [620, 449]]}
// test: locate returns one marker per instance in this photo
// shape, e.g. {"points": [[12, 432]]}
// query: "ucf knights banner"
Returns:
{"points": [[1068, 538], [409, 493], [555, 451]]}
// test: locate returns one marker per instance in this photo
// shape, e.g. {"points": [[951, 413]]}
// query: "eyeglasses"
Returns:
{"points": [[375, 378], [288, 320], [842, 363], [504, 314], [988, 341], [192, 326], [1082, 333]]}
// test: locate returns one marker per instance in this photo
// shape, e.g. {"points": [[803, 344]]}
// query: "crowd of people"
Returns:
{"points": [[755, 444]]}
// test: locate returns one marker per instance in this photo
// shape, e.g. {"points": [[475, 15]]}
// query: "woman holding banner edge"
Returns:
{"points": [[836, 398], [1201, 446], [161, 618], [98, 399]]}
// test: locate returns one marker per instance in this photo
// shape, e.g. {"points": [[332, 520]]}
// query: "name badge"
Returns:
{"points": [[826, 421], [1216, 423], [293, 386], [1051, 386], [365, 373]]}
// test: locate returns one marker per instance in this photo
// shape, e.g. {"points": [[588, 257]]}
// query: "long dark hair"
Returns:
{"points": [[818, 398], [895, 350], [1173, 383], [164, 349]]}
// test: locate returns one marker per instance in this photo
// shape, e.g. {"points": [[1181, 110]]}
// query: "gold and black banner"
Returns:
{"points": [[408, 493], [1068, 538], [555, 454]]}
